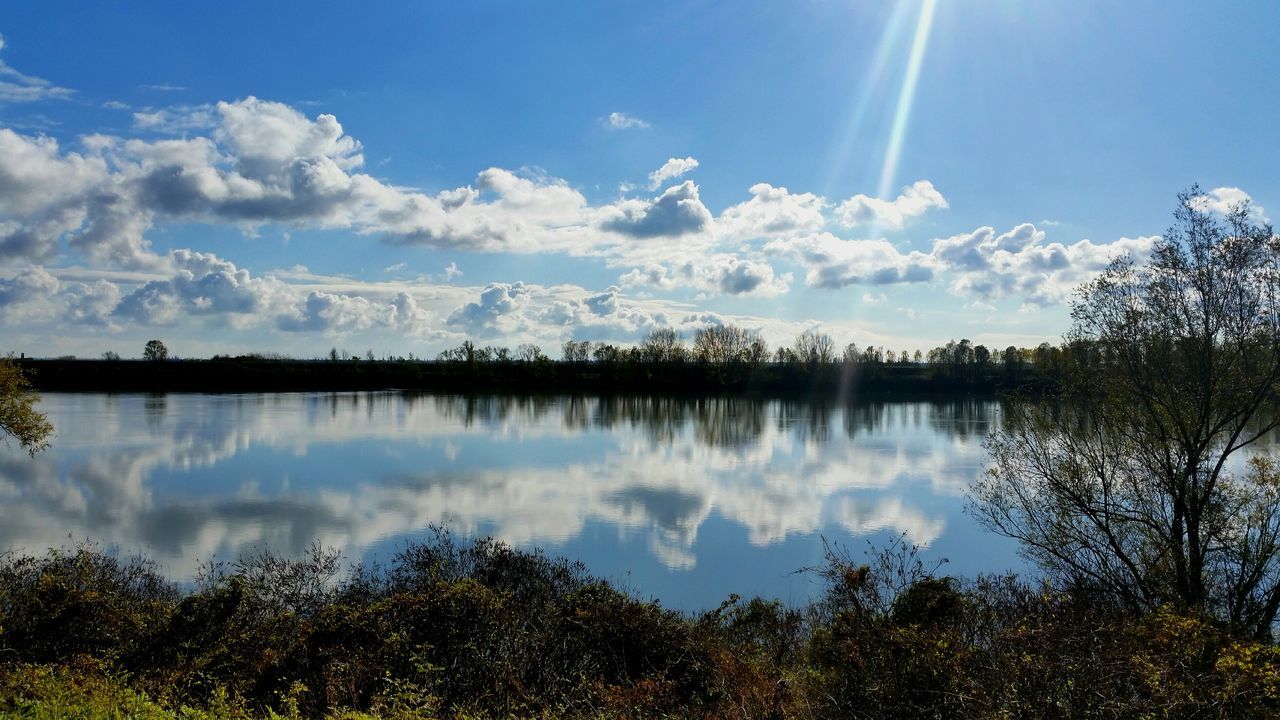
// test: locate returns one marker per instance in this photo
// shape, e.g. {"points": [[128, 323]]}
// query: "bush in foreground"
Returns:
{"points": [[452, 630]]}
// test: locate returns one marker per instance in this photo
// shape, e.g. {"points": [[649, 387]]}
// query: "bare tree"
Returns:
{"points": [[529, 352], [1134, 484], [721, 344], [851, 354], [577, 350], [662, 345], [815, 347]]}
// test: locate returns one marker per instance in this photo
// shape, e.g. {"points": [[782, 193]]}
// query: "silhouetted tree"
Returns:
{"points": [[662, 345], [721, 344], [814, 348], [155, 350], [1129, 485], [530, 353]]}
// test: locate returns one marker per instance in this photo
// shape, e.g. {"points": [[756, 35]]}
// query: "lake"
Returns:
{"points": [[683, 500]]}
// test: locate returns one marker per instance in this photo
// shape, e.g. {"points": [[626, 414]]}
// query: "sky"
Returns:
{"points": [[397, 177]]}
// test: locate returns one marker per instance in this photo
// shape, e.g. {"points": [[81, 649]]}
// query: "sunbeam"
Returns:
{"points": [[902, 114], [875, 78]]}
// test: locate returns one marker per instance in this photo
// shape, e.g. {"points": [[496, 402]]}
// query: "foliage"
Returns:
{"points": [[155, 350], [19, 418], [1131, 485], [455, 629]]}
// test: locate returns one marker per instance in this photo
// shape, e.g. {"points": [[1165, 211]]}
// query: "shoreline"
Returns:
{"points": [[833, 381]]}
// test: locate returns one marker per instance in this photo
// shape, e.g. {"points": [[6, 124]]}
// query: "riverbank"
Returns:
{"points": [[453, 629], [254, 374]]}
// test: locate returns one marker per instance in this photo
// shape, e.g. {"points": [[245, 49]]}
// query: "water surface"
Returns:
{"points": [[682, 500]]}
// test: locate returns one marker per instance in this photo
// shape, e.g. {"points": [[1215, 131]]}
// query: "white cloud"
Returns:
{"points": [[1223, 200], [499, 302], [772, 212], [16, 87], [915, 200], [177, 120], [623, 121], [28, 295], [718, 273], [832, 262], [986, 267], [677, 211], [672, 168], [253, 162]]}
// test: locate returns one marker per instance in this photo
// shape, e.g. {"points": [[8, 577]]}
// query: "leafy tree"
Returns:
{"points": [[981, 356], [19, 418], [155, 350], [1134, 484]]}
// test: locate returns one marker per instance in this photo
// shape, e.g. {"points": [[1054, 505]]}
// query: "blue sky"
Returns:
{"points": [[290, 177]]}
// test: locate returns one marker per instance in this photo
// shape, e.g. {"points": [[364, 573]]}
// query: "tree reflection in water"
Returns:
{"points": [[185, 477]]}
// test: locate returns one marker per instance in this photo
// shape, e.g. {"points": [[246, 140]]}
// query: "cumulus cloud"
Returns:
{"points": [[915, 200], [622, 121], [202, 284], [28, 292], [719, 273], [677, 211], [254, 162], [1223, 200], [335, 314], [986, 266], [672, 168], [16, 87], [832, 262], [263, 162], [515, 312], [498, 302], [201, 288], [772, 212]]}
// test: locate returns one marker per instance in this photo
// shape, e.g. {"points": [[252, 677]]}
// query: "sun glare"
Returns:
{"points": [[902, 115]]}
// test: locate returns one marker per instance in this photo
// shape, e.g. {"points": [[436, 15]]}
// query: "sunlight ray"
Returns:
{"points": [[902, 114], [875, 78]]}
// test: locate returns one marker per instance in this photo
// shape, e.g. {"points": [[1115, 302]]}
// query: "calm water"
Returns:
{"points": [[686, 501]]}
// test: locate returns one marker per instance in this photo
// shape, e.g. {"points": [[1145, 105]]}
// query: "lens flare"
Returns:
{"points": [[902, 114], [890, 40]]}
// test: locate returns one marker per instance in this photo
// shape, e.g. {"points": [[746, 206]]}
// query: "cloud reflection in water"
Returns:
{"points": [[188, 477]]}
